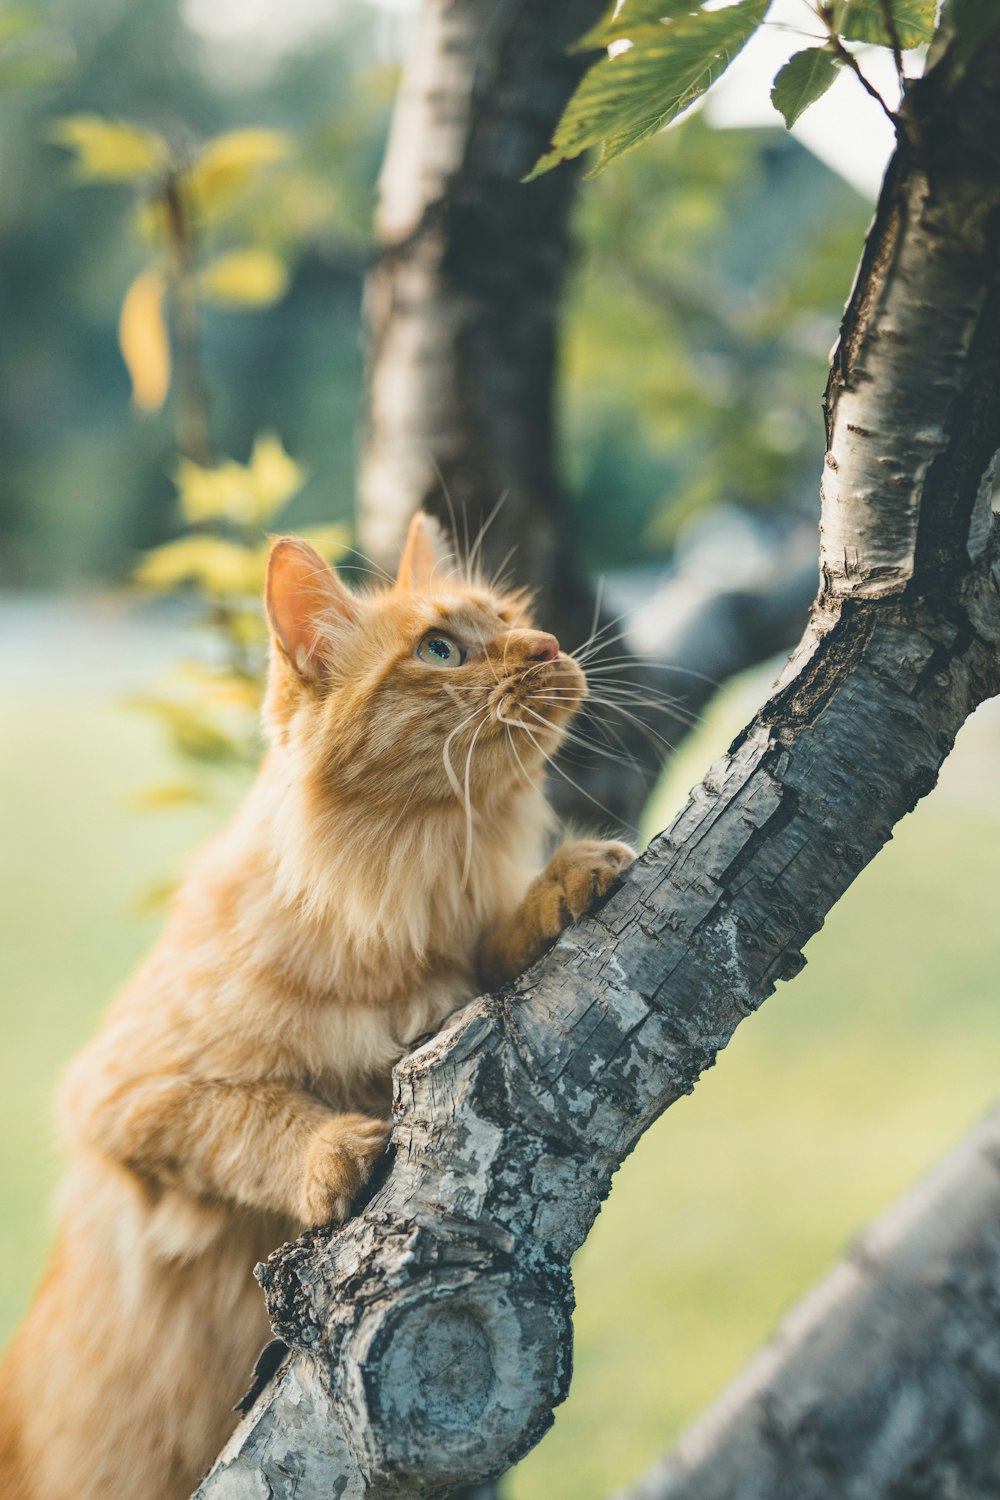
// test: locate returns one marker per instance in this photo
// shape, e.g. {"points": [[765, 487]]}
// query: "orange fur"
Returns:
{"points": [[383, 869]]}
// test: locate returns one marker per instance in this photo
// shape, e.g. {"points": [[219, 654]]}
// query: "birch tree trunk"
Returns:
{"points": [[431, 1335], [463, 304], [463, 310], [884, 1384]]}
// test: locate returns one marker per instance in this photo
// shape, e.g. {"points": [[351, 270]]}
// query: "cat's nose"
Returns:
{"points": [[540, 646]]}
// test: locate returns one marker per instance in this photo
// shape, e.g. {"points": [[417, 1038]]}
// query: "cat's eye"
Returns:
{"points": [[440, 650]]}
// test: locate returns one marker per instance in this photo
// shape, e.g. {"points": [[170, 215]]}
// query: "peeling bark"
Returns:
{"points": [[430, 1336], [884, 1384]]}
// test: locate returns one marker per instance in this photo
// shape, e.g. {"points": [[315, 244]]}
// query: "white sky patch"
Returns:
{"points": [[250, 37], [846, 129]]}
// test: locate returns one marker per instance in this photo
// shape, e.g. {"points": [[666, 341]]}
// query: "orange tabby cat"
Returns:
{"points": [[382, 871]]}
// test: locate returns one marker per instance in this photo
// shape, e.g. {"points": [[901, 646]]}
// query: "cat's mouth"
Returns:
{"points": [[542, 697]]}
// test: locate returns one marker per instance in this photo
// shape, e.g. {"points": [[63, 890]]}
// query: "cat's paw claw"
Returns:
{"points": [[340, 1160], [578, 875]]}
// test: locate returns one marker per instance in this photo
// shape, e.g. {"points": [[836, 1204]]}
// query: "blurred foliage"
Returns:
{"points": [[32, 52], [210, 704], [711, 272], [192, 217], [85, 485], [715, 268]]}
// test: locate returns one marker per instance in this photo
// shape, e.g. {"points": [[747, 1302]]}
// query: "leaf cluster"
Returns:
{"points": [[182, 201], [661, 56], [210, 707]]}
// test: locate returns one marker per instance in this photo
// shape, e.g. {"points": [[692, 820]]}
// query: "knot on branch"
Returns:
{"points": [[457, 1378]]}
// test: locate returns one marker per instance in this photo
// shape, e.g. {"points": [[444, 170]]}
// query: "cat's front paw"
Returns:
{"points": [[340, 1159], [576, 878]]}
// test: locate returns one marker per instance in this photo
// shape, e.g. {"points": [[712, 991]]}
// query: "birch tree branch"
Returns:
{"points": [[883, 1383], [431, 1335]]}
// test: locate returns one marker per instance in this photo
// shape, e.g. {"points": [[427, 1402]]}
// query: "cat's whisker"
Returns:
{"points": [[637, 694], [499, 579], [613, 663], [610, 733], [645, 729], [574, 738], [371, 565], [475, 555], [561, 771], [467, 866], [455, 540], [597, 648], [529, 779], [449, 769], [595, 642]]}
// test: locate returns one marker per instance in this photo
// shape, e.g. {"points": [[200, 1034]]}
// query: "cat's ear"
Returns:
{"points": [[425, 552], [304, 598]]}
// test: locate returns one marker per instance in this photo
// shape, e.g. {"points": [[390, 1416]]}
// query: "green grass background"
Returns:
{"points": [[826, 1105]]}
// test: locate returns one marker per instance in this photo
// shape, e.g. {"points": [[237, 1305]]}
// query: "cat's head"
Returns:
{"points": [[435, 688]]}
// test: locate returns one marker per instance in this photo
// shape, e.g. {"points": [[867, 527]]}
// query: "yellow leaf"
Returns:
{"points": [[226, 165], [330, 542], [110, 150], [221, 493], [245, 494], [167, 794], [274, 474], [244, 278], [153, 899], [235, 692], [193, 733], [217, 565], [142, 337]]}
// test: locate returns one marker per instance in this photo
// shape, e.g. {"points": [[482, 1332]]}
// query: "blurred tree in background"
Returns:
{"points": [[718, 408], [84, 484]]}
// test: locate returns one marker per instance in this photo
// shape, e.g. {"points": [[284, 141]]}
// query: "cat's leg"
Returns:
{"points": [[576, 877], [265, 1146]]}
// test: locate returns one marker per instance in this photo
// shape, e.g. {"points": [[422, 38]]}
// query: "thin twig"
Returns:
{"points": [[192, 398], [897, 51], [849, 60]]}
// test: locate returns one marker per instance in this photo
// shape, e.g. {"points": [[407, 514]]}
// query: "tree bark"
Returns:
{"points": [[884, 1384], [430, 1336], [463, 304]]}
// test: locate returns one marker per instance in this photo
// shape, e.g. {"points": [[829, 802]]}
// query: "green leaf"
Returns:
{"points": [[804, 79], [110, 150], [622, 20], [864, 21], [670, 63]]}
